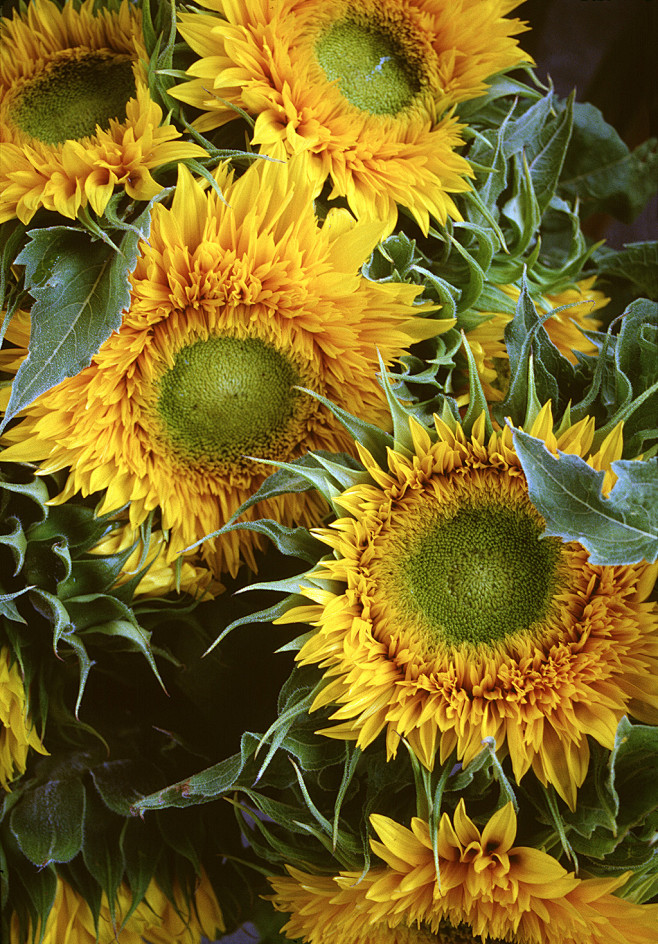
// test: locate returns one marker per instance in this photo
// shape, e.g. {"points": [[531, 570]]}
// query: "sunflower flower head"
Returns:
{"points": [[363, 88], [159, 577], [447, 618], [237, 303], [570, 316], [486, 889], [76, 118], [156, 918], [17, 733]]}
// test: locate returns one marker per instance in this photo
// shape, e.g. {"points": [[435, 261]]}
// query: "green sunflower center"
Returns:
{"points": [[73, 96], [370, 66], [477, 577], [228, 397]]}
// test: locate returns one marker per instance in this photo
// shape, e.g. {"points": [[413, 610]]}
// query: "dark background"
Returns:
{"points": [[607, 51]]}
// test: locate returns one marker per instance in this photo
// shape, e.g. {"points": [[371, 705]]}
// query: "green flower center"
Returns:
{"points": [[370, 66], [228, 397], [477, 577], [73, 96]]}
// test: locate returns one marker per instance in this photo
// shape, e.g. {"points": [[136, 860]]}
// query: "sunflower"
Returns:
{"points": [[564, 328], [17, 733], [486, 889], [364, 88], [76, 118], [161, 577], [155, 920], [443, 618], [235, 303]]}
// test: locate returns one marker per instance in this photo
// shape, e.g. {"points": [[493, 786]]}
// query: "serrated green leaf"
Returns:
{"points": [[519, 133], [47, 821], [545, 162], [620, 529], [624, 379], [601, 171], [80, 289]]}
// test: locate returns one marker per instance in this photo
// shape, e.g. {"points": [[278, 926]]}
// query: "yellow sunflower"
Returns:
{"points": [[487, 889], [446, 620], [17, 733], [162, 576], [487, 341], [235, 302], [362, 87], [155, 920], [76, 118]]}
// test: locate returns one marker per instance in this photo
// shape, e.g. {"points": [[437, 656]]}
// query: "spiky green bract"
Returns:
{"points": [[60, 606]]}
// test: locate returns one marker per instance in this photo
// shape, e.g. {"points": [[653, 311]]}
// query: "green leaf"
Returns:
{"points": [[619, 529], [636, 262], [40, 888], [545, 160], [142, 848], [477, 402], [47, 821], [14, 538], [537, 369], [121, 783], [102, 852], [80, 288], [624, 379], [52, 609], [634, 772], [601, 171], [201, 787], [294, 542], [137, 638]]}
